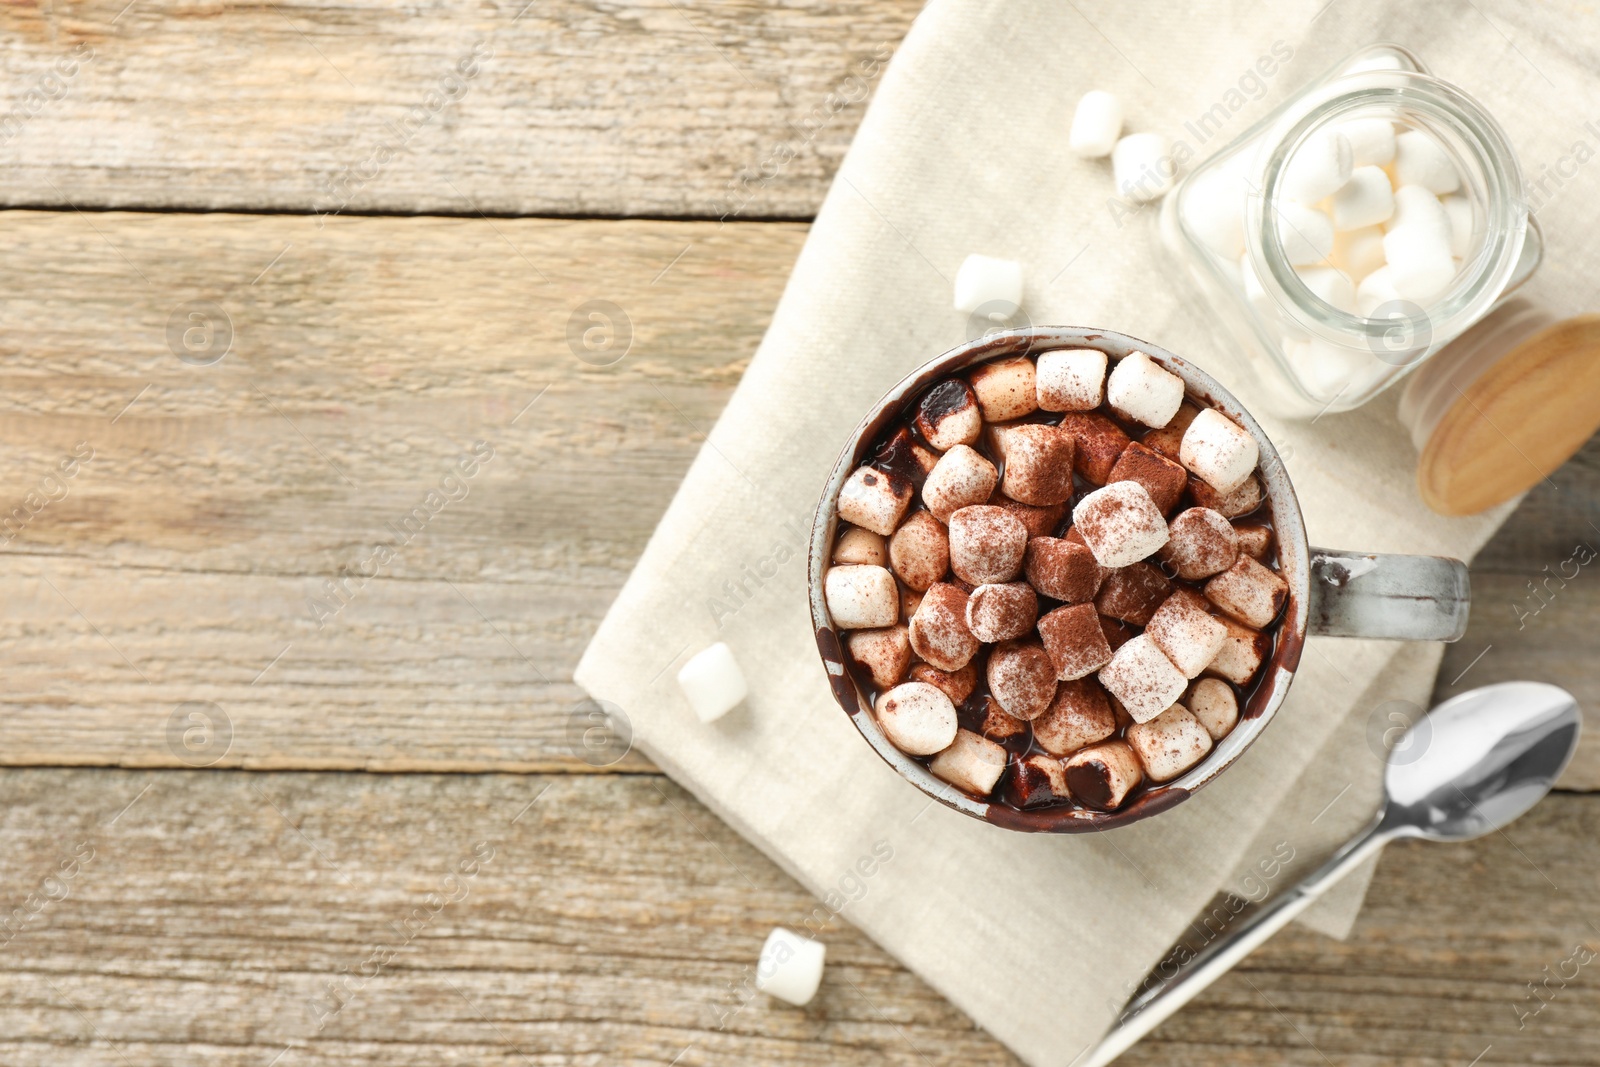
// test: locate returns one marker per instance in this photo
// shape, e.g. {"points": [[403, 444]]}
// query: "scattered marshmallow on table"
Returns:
{"points": [[1365, 200], [861, 597], [1319, 166], [1305, 232], [1170, 743], [1142, 166], [972, 762], [1096, 124], [917, 718], [1371, 140], [1140, 389], [1419, 159], [790, 967], [1120, 524], [874, 500], [713, 682], [1070, 379], [983, 280], [1143, 678], [1219, 450]]}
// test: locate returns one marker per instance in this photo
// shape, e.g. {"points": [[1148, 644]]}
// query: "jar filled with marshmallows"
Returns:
{"points": [[1354, 233]]}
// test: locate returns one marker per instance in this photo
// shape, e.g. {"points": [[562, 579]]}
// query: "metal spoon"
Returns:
{"points": [[1472, 765]]}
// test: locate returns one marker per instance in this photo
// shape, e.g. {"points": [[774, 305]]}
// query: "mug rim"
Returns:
{"points": [[1259, 706]]}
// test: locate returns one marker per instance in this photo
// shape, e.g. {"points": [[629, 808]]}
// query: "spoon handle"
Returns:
{"points": [[1152, 1007]]}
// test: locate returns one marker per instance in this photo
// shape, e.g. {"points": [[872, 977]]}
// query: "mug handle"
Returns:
{"points": [[1403, 598]]}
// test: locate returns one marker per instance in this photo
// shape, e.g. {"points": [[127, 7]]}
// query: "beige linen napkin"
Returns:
{"points": [[963, 150]]}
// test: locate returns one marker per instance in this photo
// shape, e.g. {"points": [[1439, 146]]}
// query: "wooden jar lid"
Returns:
{"points": [[1522, 418]]}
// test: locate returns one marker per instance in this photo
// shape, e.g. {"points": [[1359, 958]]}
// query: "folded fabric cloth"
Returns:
{"points": [[964, 150]]}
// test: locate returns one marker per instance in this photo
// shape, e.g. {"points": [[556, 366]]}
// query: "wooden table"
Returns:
{"points": [[272, 271]]}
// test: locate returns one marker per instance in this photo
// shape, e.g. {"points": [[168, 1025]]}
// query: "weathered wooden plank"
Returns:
{"points": [[570, 107], [224, 916]]}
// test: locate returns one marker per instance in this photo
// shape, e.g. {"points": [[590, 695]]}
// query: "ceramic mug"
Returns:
{"points": [[1331, 592]]}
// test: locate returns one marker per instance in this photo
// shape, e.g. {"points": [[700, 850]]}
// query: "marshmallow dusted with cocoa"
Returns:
{"points": [[874, 500], [918, 718], [1120, 524], [972, 762], [960, 479]]}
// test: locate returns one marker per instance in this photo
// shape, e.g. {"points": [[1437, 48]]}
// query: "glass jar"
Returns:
{"points": [[1229, 222]]}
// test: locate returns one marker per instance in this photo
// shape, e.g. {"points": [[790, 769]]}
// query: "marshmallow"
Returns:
{"points": [[1116, 632], [1098, 442], [1039, 779], [962, 477], [1219, 450], [986, 544], [1133, 593], [1038, 464], [1371, 141], [886, 654], [1096, 124], [1459, 210], [910, 600], [1005, 388], [903, 456], [1138, 388], [917, 718], [998, 724], [1040, 521], [1241, 653], [972, 762], [1376, 290], [957, 685], [1167, 439], [1001, 612], [1415, 206], [1421, 160], [1070, 379], [1319, 166], [939, 631], [1141, 676], [1255, 294], [1120, 523], [985, 280], [1254, 540], [1021, 677], [1324, 368], [1213, 205], [1358, 252], [1331, 286], [1306, 233], [1184, 630], [1062, 569], [1419, 261], [856, 545], [1074, 641], [1162, 478], [1102, 776], [1211, 700], [1200, 543], [874, 500], [861, 597], [1242, 501], [1079, 715], [1365, 200], [1170, 743], [1142, 167], [713, 682], [790, 967], [1249, 592], [919, 552], [948, 415]]}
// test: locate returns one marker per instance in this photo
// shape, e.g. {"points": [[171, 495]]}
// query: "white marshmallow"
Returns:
{"points": [[1186, 632], [1415, 206], [1241, 653], [790, 967], [713, 682], [987, 280], [860, 546], [1211, 700], [1324, 368], [874, 500], [1375, 290], [861, 597], [917, 718], [1141, 676], [1365, 200], [1331, 286], [1096, 124], [1142, 166], [1139, 389], [1120, 524], [1459, 209], [1219, 450], [961, 477], [1213, 209], [1254, 292], [1420, 266], [1421, 160], [1371, 140], [1248, 592], [972, 762], [1170, 743], [1358, 252], [1071, 379], [1318, 167], [1306, 233]]}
